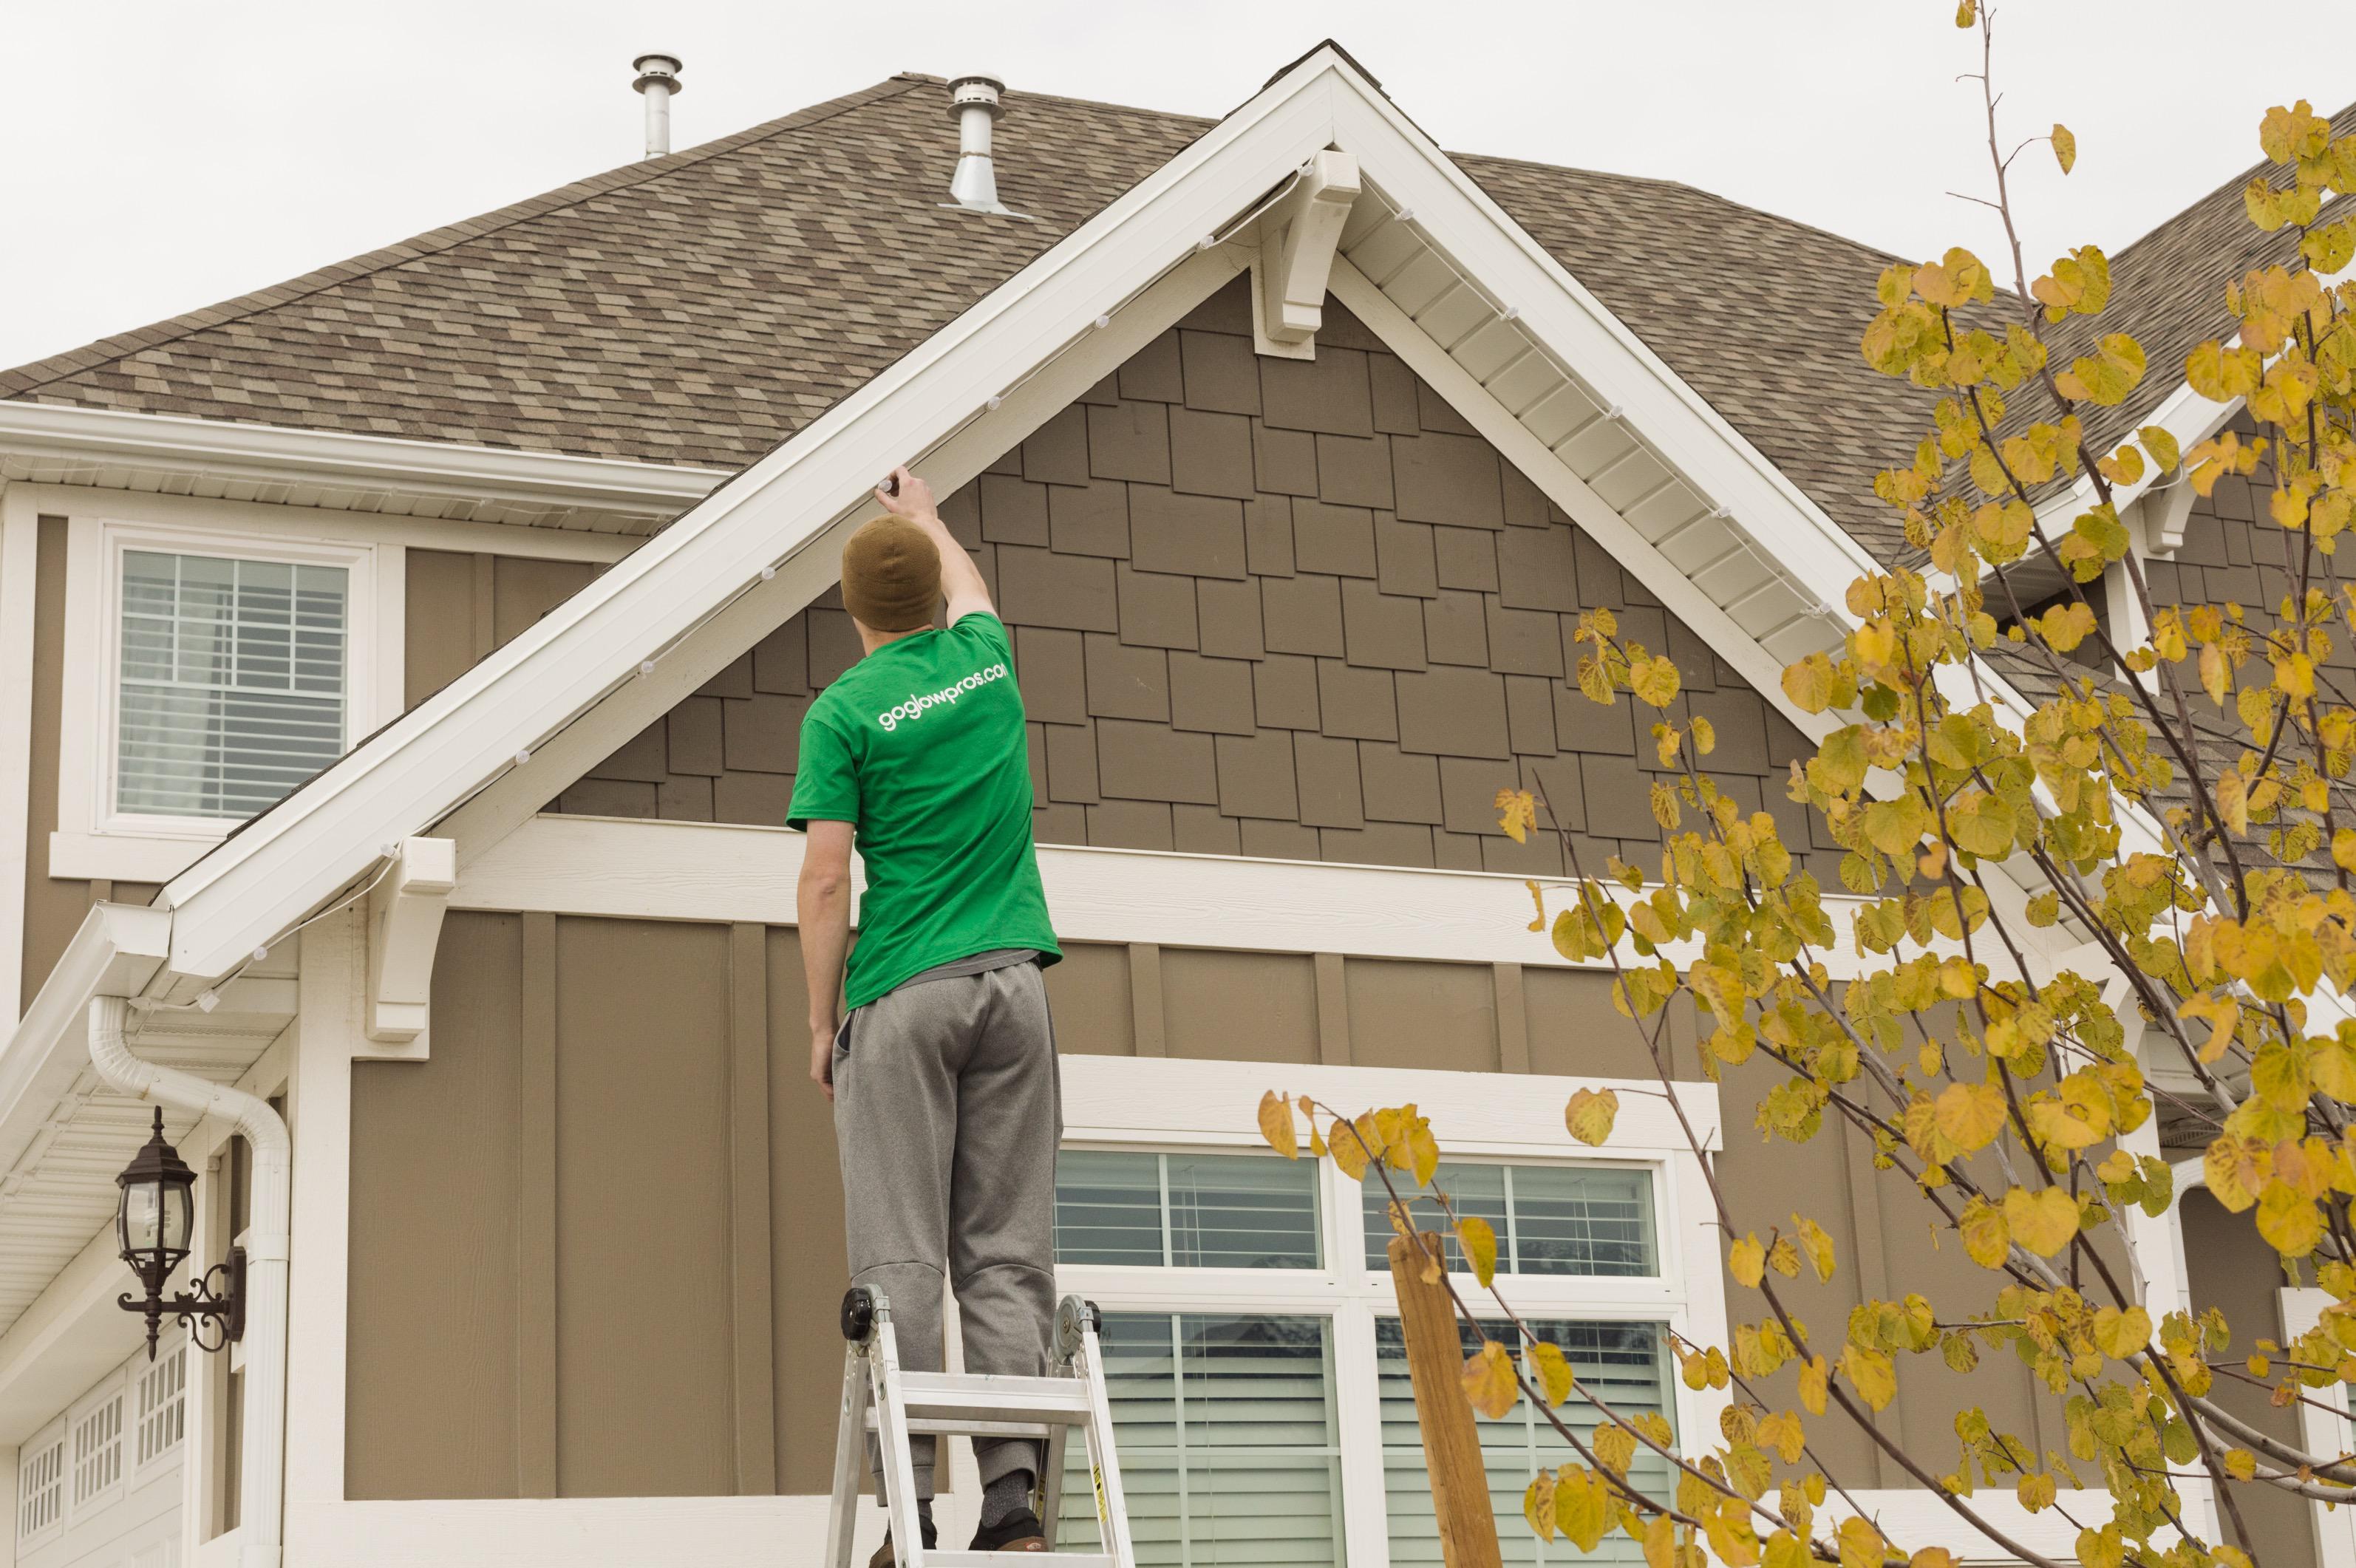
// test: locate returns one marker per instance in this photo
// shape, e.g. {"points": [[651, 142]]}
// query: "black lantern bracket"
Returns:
{"points": [[216, 1302]]}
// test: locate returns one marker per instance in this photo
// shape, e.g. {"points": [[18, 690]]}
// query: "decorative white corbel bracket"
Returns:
{"points": [[1300, 234], [404, 925], [2165, 510]]}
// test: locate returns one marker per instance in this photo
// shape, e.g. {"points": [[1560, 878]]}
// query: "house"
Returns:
{"points": [[403, 669]]}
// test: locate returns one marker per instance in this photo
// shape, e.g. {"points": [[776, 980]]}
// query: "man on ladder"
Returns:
{"points": [[940, 1062]]}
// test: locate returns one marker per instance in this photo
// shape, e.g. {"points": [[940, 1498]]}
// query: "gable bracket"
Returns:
{"points": [[1289, 280], [405, 925]]}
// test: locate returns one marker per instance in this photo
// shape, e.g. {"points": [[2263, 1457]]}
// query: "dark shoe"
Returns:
{"points": [[1018, 1532], [883, 1557]]}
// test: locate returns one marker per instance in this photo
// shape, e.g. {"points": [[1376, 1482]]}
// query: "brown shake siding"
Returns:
{"points": [[1264, 607]]}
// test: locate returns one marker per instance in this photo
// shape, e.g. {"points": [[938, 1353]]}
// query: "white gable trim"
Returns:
{"points": [[486, 752]]}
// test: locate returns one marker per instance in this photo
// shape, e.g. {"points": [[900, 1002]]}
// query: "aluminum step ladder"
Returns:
{"points": [[879, 1399]]}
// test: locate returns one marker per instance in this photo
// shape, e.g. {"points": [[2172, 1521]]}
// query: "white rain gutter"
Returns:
{"points": [[261, 1463]]}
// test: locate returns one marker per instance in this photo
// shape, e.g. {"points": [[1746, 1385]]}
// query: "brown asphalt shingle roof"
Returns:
{"points": [[700, 309]]}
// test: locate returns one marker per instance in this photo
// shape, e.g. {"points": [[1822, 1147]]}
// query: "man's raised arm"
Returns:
{"points": [[906, 495]]}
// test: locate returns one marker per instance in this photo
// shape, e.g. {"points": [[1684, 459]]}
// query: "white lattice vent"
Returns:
{"points": [[98, 1450], [41, 1489], [162, 1406]]}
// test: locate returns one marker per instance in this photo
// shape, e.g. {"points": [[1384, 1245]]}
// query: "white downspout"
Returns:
{"points": [[261, 1466]]}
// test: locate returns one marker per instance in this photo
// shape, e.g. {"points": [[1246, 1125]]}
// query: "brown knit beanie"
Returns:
{"points": [[890, 575]]}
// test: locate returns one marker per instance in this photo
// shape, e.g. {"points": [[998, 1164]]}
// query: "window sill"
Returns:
{"points": [[127, 857]]}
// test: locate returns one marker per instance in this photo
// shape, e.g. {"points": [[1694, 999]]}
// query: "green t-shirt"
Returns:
{"points": [[920, 746]]}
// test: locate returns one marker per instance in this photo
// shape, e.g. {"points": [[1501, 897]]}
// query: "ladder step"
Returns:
{"points": [[999, 1559], [950, 1396]]}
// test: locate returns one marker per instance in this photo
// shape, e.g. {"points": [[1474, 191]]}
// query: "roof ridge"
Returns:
{"points": [[38, 373]]}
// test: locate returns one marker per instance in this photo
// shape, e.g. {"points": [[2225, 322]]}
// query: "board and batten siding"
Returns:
{"points": [[598, 1234], [1267, 607]]}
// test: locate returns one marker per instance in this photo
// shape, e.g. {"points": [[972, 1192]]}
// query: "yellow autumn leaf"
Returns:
{"points": [[1589, 1115], [1550, 1369], [1784, 1433], [1614, 1446], [1967, 13], [1747, 1261], [2291, 1221], [1654, 680], [2065, 148], [1987, 1240], [1816, 1378], [2036, 1492], [2241, 1464], [1971, 1114], [2045, 1221], [1488, 1380], [2119, 1334], [1872, 1373], [1349, 1153], [1276, 1124], [1517, 813], [1538, 1505], [1817, 1242], [1537, 898], [1479, 1240]]}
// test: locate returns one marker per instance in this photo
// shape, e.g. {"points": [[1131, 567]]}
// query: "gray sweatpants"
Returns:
{"points": [[947, 1111]]}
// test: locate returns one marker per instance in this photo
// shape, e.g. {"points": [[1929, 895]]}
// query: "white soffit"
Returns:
{"points": [[49, 443]]}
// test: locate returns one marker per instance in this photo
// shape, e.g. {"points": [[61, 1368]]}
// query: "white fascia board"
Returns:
{"points": [[1460, 220], [2185, 414], [706, 566], [310, 456], [116, 952]]}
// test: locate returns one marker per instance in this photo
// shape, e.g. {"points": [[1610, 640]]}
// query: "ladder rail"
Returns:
{"points": [[893, 1407]]}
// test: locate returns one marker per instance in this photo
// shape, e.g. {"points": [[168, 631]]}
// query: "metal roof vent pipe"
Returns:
{"points": [[973, 104], [658, 80]]}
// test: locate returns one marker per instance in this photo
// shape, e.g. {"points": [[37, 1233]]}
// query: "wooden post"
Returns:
{"points": [[1451, 1449]]}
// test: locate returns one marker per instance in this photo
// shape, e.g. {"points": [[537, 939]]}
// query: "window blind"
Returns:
{"points": [[1549, 1219], [1230, 1455], [1623, 1362], [1186, 1211], [232, 681]]}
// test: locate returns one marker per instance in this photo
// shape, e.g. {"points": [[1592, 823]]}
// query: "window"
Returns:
{"points": [[1623, 1362], [41, 1486], [217, 673], [1253, 1353], [230, 681], [1549, 1219], [1179, 1211]]}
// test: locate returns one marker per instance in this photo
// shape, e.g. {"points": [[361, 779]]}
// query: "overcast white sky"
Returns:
{"points": [[168, 155]]}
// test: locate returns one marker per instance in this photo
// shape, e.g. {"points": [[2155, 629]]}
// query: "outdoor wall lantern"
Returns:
{"points": [[154, 1219]]}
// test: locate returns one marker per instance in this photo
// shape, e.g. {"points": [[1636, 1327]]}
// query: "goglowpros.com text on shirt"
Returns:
{"points": [[916, 707]]}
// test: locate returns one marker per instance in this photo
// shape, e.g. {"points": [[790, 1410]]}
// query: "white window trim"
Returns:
{"points": [[2323, 1431], [94, 840], [1159, 1104]]}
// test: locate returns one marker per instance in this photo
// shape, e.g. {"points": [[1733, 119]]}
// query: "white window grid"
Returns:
{"points": [[1354, 1297], [98, 1448], [162, 1412], [41, 1486]]}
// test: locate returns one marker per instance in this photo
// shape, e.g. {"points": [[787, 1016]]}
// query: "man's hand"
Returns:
{"points": [[906, 495], [822, 1056], [962, 584]]}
